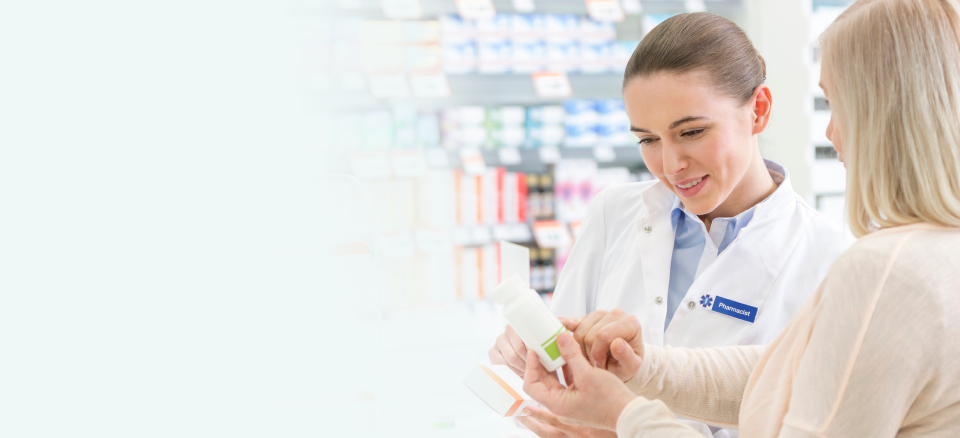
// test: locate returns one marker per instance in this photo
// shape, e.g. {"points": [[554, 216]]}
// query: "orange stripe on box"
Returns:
{"points": [[496, 378]]}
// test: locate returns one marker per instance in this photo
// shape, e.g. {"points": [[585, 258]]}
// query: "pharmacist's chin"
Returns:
{"points": [[700, 204]]}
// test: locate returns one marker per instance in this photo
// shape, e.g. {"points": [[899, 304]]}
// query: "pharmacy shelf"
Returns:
{"points": [[474, 89], [431, 8], [530, 160]]}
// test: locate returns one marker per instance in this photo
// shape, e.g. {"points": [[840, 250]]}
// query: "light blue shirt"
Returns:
{"points": [[688, 248]]}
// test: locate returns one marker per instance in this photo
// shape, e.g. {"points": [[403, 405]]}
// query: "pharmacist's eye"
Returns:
{"points": [[692, 133], [646, 141]]}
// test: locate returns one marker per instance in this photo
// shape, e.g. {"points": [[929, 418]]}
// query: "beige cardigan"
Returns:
{"points": [[874, 352]]}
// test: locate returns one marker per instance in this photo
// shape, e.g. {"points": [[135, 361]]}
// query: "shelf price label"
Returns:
{"points": [[604, 154], [551, 234], [476, 9], [605, 10], [430, 85], [402, 9], [552, 85], [549, 154], [524, 6], [472, 161], [481, 235], [509, 156], [408, 163], [461, 236], [517, 232], [370, 166], [433, 241]]}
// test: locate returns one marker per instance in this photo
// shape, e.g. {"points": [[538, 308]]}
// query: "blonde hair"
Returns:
{"points": [[895, 66]]}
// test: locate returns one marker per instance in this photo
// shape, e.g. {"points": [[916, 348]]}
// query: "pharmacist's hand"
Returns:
{"points": [[612, 341], [510, 351], [592, 397], [546, 425]]}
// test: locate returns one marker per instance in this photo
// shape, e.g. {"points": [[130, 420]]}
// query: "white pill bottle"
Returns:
{"points": [[531, 319]]}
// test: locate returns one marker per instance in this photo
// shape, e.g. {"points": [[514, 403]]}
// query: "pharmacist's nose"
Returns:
{"points": [[674, 159]]}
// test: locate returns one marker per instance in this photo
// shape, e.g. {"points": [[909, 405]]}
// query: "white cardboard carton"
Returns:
{"points": [[499, 388]]}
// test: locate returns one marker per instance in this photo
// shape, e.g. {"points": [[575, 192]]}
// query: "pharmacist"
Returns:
{"points": [[719, 250]]}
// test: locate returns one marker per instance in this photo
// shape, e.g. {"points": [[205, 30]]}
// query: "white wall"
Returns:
{"points": [[779, 30]]}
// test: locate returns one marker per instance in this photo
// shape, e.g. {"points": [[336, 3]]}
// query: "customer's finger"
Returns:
{"points": [[627, 328], [628, 360], [518, 346], [506, 355], [586, 324], [589, 338]]}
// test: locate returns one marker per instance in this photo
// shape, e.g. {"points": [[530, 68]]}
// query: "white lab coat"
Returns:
{"points": [[621, 259]]}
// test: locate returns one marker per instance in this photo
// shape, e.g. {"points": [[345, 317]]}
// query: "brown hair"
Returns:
{"points": [[701, 41]]}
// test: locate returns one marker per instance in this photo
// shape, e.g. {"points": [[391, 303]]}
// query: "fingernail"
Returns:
{"points": [[563, 339], [526, 412], [619, 346]]}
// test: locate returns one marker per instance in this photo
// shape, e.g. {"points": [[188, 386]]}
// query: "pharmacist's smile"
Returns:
{"points": [[691, 186]]}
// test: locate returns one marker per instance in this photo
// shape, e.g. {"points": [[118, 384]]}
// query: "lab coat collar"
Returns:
{"points": [[659, 198]]}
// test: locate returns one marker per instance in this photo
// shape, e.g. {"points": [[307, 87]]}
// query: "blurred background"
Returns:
{"points": [[262, 218]]}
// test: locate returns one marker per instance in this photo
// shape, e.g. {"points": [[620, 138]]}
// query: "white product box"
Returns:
{"points": [[499, 388], [495, 56], [597, 30], [562, 26], [489, 269], [469, 269], [456, 29], [419, 58], [563, 55], [497, 27], [471, 115], [529, 55], [596, 56], [459, 57], [546, 114], [421, 32], [489, 196], [528, 26]]}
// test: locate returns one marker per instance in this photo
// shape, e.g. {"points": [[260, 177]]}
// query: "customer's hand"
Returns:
{"points": [[611, 340], [547, 425], [593, 397], [509, 349]]}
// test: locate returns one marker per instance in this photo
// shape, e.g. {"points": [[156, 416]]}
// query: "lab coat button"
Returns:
{"points": [[659, 300], [712, 249], [691, 305], [648, 229]]}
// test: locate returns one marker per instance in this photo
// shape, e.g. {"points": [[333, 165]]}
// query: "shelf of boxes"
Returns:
{"points": [[361, 61], [373, 9]]}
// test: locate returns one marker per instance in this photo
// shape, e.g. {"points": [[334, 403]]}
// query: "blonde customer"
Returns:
{"points": [[874, 352]]}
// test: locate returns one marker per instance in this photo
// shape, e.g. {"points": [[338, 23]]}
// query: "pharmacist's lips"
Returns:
{"points": [[686, 182]]}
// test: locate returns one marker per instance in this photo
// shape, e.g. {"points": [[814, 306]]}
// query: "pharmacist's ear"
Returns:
{"points": [[761, 106], [571, 323]]}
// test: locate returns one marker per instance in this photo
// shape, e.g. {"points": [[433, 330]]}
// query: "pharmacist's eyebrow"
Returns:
{"points": [[672, 125]]}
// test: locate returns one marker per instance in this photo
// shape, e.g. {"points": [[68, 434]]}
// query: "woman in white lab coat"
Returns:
{"points": [[719, 250]]}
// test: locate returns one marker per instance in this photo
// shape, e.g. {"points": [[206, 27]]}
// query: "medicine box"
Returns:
{"points": [[499, 388]]}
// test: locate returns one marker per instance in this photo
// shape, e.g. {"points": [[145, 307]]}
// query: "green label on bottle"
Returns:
{"points": [[551, 347]]}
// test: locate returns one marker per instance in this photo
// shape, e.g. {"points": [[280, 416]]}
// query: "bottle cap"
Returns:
{"points": [[508, 288]]}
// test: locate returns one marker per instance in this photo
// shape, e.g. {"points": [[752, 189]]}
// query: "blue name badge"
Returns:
{"points": [[735, 309]]}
